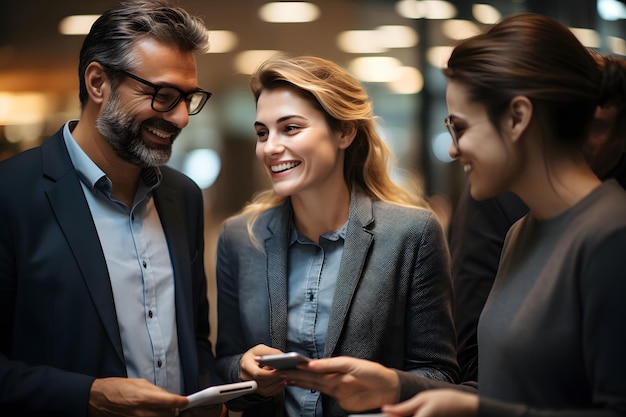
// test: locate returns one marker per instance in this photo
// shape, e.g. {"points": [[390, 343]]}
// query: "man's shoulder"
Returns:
{"points": [[24, 161], [19, 167], [175, 178], [18, 160]]}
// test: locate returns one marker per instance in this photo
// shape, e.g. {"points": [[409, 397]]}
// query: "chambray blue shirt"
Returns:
{"points": [[313, 270], [139, 267]]}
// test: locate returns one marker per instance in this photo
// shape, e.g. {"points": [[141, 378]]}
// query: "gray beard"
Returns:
{"points": [[123, 133]]}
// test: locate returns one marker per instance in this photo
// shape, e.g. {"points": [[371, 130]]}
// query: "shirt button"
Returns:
{"points": [[150, 313], [159, 363], [144, 264]]}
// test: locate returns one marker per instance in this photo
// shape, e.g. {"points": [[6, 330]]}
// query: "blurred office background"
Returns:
{"points": [[395, 47]]}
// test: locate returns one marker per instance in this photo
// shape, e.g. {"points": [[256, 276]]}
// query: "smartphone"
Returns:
{"points": [[220, 393], [368, 415], [283, 360]]}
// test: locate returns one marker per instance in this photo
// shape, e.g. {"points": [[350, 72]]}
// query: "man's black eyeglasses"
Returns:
{"points": [[165, 98]]}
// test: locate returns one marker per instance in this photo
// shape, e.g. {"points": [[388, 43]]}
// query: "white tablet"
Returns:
{"points": [[220, 393]]}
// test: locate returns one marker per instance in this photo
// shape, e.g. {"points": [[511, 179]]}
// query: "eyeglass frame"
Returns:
{"points": [[181, 94], [452, 130]]}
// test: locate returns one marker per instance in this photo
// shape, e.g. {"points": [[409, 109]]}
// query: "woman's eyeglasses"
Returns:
{"points": [[452, 130]]}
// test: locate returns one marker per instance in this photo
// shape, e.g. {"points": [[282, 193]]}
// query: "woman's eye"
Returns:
{"points": [[290, 128], [261, 135]]}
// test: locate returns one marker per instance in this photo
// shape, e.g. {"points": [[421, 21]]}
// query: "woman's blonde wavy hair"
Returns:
{"points": [[343, 100]]}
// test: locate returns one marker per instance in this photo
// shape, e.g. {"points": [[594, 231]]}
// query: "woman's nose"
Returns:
{"points": [[453, 151], [273, 144]]}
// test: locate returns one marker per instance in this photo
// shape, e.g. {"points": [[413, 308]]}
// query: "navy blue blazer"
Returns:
{"points": [[57, 316], [392, 304]]}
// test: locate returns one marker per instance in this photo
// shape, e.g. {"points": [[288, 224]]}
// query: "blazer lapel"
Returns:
{"points": [[276, 248], [173, 221], [72, 212], [356, 247]]}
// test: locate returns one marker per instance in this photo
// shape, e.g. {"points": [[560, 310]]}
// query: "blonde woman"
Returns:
{"points": [[335, 259]]}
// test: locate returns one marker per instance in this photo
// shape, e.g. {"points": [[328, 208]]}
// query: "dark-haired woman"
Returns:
{"points": [[551, 336]]}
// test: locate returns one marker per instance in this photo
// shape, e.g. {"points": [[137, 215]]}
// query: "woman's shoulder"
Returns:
{"points": [[236, 220], [604, 208], [397, 217], [389, 209], [239, 221], [599, 216]]}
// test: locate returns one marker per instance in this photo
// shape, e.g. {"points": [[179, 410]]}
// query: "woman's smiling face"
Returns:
{"points": [[295, 144], [482, 151]]}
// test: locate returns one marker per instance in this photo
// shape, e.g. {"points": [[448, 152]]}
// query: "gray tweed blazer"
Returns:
{"points": [[392, 304]]}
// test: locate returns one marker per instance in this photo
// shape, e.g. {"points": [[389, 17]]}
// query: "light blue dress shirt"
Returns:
{"points": [[313, 270], [140, 270]]}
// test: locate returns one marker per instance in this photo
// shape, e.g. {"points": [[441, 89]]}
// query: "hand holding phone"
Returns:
{"points": [[287, 360]]}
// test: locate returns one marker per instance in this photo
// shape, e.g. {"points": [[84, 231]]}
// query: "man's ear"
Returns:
{"points": [[518, 117], [96, 82], [348, 133]]}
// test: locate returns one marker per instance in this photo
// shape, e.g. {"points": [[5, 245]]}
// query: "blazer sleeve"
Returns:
{"points": [[431, 338], [233, 247], [25, 388], [230, 345]]}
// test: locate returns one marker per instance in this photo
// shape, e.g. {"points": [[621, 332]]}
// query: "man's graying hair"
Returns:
{"points": [[111, 37]]}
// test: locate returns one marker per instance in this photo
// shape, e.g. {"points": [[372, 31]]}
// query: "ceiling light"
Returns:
{"points": [[289, 12], [23, 108], [408, 81], [458, 29], [440, 145], [617, 45], [247, 62], [486, 13], [611, 9], [411, 9], [359, 42], [203, 166], [77, 24], [377, 41], [375, 68], [397, 36], [588, 37], [425, 9], [221, 41], [438, 56]]}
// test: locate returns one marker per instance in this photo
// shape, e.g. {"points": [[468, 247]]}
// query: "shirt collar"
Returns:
{"points": [[333, 235], [87, 170], [92, 176]]}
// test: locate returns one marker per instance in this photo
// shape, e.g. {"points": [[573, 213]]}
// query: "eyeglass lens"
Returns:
{"points": [[166, 98]]}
